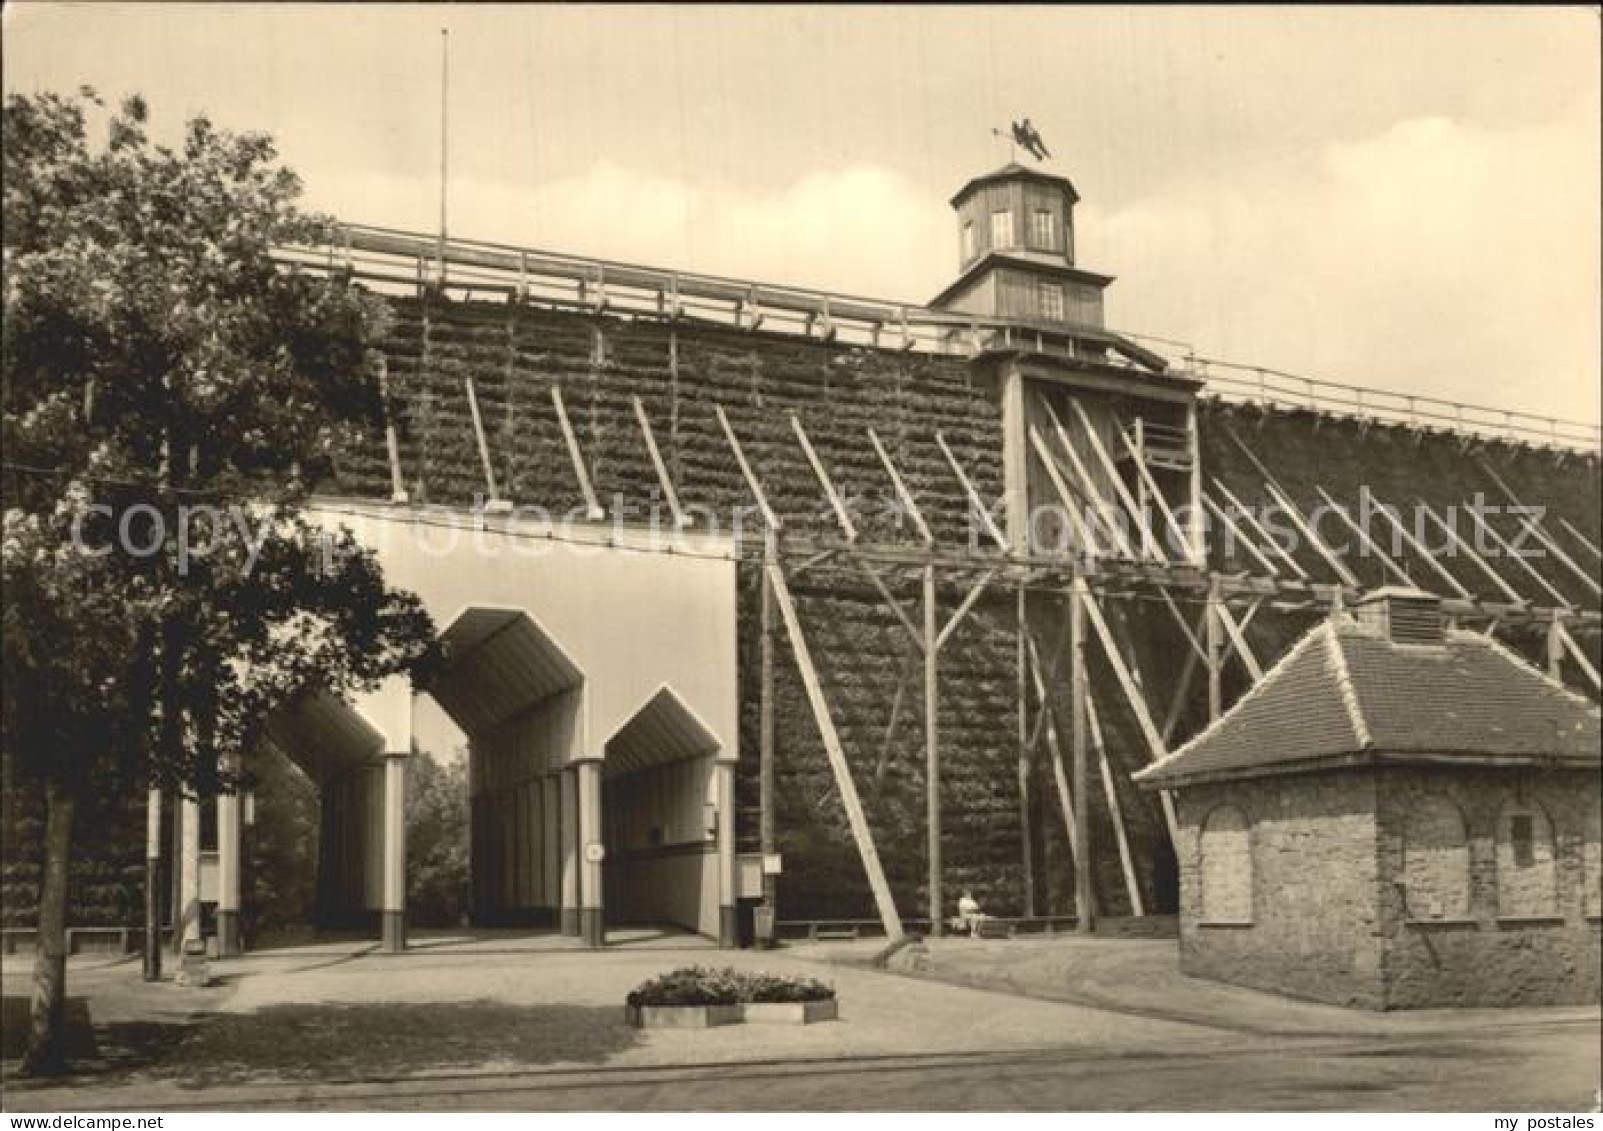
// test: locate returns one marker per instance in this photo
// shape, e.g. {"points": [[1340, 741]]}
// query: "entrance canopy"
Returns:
{"points": [[662, 731], [324, 735], [499, 663]]}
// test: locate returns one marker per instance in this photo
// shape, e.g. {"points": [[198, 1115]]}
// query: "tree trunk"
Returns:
{"points": [[47, 1038]]}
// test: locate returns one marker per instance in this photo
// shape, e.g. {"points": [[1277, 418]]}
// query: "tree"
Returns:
{"points": [[437, 840], [169, 391]]}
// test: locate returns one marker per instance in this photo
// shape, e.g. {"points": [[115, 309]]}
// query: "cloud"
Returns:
{"points": [[1433, 257]]}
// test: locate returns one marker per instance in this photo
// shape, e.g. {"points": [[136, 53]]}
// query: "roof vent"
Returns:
{"points": [[1403, 616]]}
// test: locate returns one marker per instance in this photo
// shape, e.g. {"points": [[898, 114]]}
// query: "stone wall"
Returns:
{"points": [[1334, 917], [1314, 931], [1504, 950]]}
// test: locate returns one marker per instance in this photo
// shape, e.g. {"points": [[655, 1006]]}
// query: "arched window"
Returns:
{"points": [[1226, 867], [1527, 870], [1436, 861]]}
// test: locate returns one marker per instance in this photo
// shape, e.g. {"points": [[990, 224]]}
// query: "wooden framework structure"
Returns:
{"points": [[1110, 566]]}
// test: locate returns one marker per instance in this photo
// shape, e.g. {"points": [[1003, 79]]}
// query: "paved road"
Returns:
{"points": [[1551, 1069]]}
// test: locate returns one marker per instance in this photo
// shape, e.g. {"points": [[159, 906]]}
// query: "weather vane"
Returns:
{"points": [[1026, 135]]}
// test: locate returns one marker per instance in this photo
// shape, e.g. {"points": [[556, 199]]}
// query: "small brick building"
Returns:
{"points": [[1398, 815]]}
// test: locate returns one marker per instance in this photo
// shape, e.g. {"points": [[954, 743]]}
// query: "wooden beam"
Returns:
{"points": [[1112, 470], [1421, 552], [1132, 692], [842, 515], [1510, 552], [1079, 690], [902, 492], [664, 480], [1059, 776], [974, 499], [1182, 542], [1536, 528], [1218, 512], [1182, 689], [392, 446], [1580, 657], [1025, 763], [1332, 559], [1269, 539], [592, 505], [483, 443], [1215, 658], [1469, 551], [861, 833], [1110, 792], [883, 762], [1088, 489], [1185, 629], [1239, 638], [1091, 548], [767, 817], [890, 599], [969, 601], [1397, 573], [932, 751], [752, 482], [1581, 538]]}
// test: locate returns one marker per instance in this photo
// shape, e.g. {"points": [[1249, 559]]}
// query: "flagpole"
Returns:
{"points": [[445, 79]]}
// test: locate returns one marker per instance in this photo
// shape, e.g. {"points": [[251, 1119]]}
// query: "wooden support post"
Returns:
{"points": [[1078, 690], [1469, 552], [1047, 726], [592, 505], [664, 480], [855, 816], [1112, 471], [882, 763], [1581, 538], [1295, 514], [1182, 546], [1251, 520], [1132, 692], [970, 599], [1110, 792], [1238, 637], [1199, 551], [974, 501], [392, 445], [1580, 657], [1215, 651], [481, 440], [1218, 512], [1088, 543], [752, 482], [1396, 571], [766, 831], [1027, 850], [186, 922], [902, 493], [1088, 488], [932, 750], [1555, 650], [1421, 552], [842, 514], [1509, 552], [1537, 530]]}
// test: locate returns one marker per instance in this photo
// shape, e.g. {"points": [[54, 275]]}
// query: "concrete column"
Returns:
{"points": [[728, 925], [591, 927], [551, 842], [188, 918], [394, 902], [228, 847], [569, 919]]}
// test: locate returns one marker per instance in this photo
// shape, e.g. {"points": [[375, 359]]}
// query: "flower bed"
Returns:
{"points": [[699, 997]]}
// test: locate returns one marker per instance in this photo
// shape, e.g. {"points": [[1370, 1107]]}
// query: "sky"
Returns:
{"points": [[1401, 198]]}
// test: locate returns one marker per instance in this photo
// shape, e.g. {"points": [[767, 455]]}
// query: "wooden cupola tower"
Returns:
{"points": [[1016, 251]]}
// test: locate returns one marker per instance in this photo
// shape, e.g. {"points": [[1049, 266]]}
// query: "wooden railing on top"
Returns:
{"points": [[391, 259]]}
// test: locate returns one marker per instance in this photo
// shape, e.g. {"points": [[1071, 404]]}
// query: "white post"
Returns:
{"points": [[394, 903], [228, 893], [728, 927], [591, 928], [188, 873], [570, 851]]}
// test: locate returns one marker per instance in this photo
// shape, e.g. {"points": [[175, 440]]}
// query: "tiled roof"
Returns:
{"points": [[1344, 695]]}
